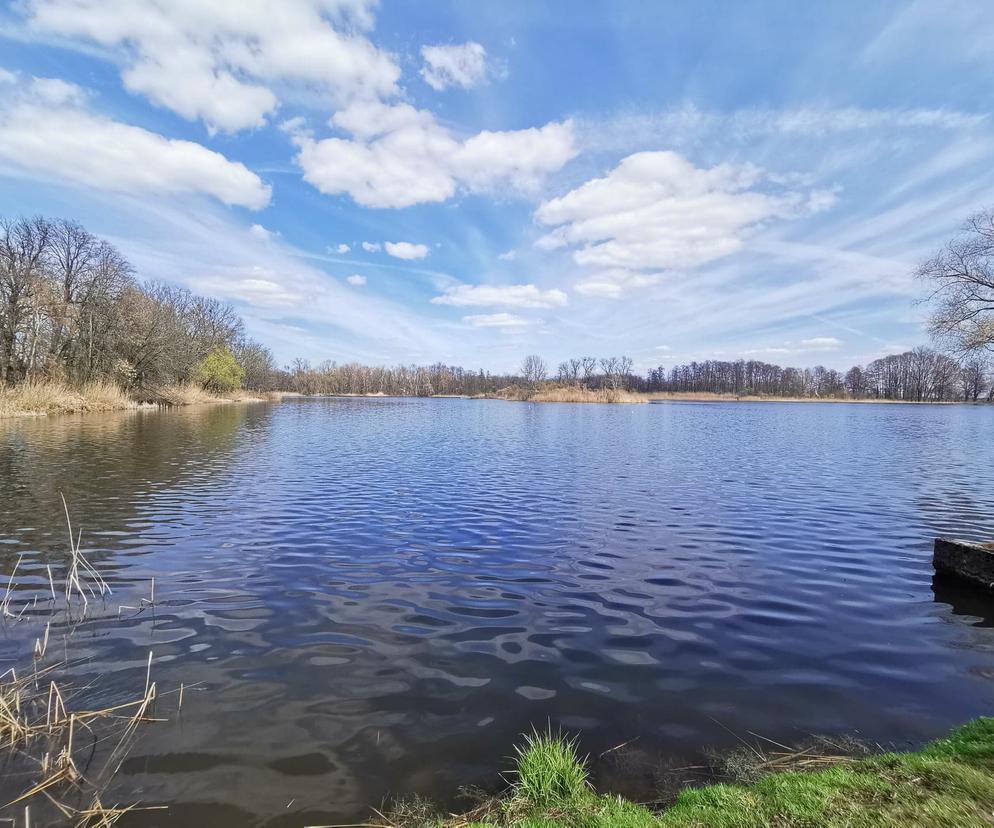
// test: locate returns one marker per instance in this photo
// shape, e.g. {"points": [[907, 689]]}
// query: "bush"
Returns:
{"points": [[219, 371]]}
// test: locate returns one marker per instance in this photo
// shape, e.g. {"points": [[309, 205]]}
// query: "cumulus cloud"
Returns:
{"points": [[341, 249], [46, 130], [405, 250], [356, 279], [7, 76], [371, 247], [512, 296], [508, 256], [444, 66], [220, 62], [657, 211], [496, 320], [261, 233], [399, 156]]}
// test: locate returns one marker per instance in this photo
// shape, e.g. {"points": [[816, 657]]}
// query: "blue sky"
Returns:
{"points": [[469, 182]]}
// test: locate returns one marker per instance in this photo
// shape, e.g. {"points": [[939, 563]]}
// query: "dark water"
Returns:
{"points": [[378, 596]]}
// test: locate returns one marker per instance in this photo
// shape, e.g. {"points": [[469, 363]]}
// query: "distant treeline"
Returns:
{"points": [[919, 375], [71, 309]]}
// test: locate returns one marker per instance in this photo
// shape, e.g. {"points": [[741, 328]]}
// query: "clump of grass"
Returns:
{"points": [[550, 773]]}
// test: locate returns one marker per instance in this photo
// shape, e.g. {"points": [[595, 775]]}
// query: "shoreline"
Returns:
{"points": [[949, 781], [57, 399]]}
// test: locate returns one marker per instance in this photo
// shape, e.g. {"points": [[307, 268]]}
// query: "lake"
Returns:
{"points": [[377, 596]]}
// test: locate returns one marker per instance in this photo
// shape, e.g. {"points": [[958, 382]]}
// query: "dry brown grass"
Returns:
{"points": [[51, 397], [571, 394], [568, 394]]}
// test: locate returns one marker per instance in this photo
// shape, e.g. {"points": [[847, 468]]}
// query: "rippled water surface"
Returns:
{"points": [[377, 595]]}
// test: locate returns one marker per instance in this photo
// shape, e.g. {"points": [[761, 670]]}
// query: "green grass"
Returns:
{"points": [[947, 784]]}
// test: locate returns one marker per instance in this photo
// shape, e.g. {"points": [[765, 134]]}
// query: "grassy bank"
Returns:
{"points": [[40, 398], [947, 783]]}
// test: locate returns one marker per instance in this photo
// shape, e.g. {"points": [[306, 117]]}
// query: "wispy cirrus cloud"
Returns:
{"points": [[511, 296]]}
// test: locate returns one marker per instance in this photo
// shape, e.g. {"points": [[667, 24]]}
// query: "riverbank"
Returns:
{"points": [[949, 782], [38, 399]]}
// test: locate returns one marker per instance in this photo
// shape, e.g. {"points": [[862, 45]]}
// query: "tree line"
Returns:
{"points": [[72, 309]]}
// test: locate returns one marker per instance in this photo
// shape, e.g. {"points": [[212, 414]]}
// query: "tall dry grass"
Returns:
{"points": [[41, 397], [574, 394], [52, 397], [569, 394]]}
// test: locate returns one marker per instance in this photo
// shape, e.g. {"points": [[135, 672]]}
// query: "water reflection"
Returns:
{"points": [[376, 596]]}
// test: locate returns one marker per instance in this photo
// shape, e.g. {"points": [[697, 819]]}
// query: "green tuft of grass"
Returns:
{"points": [[550, 773]]}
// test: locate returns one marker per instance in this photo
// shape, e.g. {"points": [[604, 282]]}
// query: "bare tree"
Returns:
{"points": [[611, 367], [962, 277], [589, 365], [533, 368], [973, 378]]}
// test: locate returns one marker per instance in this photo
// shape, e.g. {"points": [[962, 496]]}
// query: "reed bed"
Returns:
{"points": [[43, 397], [48, 397], [550, 393], [46, 724]]}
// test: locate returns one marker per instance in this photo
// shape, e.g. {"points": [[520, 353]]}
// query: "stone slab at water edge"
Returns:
{"points": [[971, 561]]}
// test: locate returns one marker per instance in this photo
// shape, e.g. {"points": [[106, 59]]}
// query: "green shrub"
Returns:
{"points": [[219, 371]]}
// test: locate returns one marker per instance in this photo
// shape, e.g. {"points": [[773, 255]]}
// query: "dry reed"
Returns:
{"points": [[41, 715]]}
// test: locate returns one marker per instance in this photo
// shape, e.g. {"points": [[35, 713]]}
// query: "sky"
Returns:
{"points": [[469, 182]]}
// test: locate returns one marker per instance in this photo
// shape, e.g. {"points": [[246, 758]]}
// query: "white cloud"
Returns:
{"points": [[56, 92], [656, 210], [496, 320], [399, 156], [615, 282], [341, 249], [690, 123], [821, 343], [219, 62], [444, 66], [256, 286], [47, 132], [406, 250], [508, 256], [371, 247], [512, 296], [7, 76], [261, 233], [356, 279], [664, 348]]}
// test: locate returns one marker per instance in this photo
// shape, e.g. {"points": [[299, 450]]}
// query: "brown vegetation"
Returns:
{"points": [[41, 397], [46, 725], [569, 394]]}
